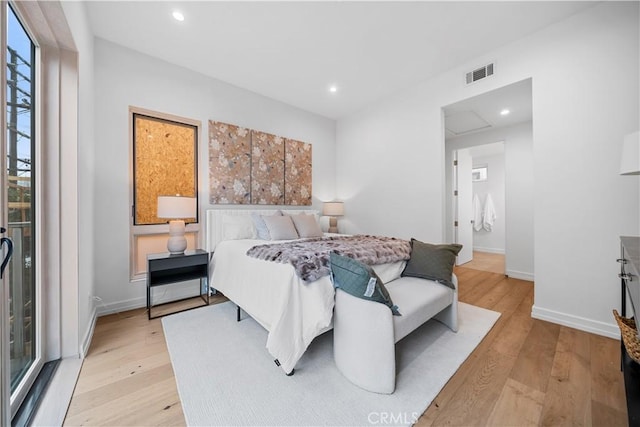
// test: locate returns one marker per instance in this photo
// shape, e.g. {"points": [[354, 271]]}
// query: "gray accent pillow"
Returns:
{"points": [[261, 228], [433, 262], [306, 225], [280, 227], [359, 280]]}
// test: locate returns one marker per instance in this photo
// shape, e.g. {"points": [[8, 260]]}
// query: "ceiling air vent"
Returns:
{"points": [[480, 73]]}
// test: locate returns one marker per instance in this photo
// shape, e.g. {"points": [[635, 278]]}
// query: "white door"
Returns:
{"points": [[463, 197]]}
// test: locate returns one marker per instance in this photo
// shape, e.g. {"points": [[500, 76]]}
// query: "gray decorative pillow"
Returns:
{"points": [[306, 225], [359, 280], [433, 262], [261, 227], [280, 227]]}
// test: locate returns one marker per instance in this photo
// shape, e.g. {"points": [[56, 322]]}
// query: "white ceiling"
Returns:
{"points": [[293, 51], [482, 112]]}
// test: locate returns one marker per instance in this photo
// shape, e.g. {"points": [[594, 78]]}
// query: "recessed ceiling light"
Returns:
{"points": [[504, 112], [178, 15], [333, 89]]}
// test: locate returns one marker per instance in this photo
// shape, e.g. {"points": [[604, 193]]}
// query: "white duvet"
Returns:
{"points": [[293, 312]]}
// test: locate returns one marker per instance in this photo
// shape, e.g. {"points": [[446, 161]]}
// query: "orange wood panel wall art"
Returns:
{"points": [[165, 163]]}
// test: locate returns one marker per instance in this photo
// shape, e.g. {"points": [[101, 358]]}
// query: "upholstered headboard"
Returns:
{"points": [[214, 231]]}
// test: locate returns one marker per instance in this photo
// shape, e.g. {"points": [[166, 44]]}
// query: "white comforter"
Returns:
{"points": [[293, 312]]}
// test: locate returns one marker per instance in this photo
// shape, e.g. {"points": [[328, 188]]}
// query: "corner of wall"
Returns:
{"points": [[88, 335]]}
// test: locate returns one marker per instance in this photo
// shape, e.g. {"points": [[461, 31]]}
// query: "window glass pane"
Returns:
{"points": [[165, 164], [21, 197]]}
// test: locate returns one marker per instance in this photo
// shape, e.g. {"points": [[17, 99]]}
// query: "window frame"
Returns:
{"points": [[136, 115], [138, 231], [29, 376]]}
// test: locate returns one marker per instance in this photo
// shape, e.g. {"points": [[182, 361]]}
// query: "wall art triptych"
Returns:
{"points": [[252, 167]]}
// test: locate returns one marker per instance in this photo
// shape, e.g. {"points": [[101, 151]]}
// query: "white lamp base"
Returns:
{"points": [[177, 242], [333, 224]]}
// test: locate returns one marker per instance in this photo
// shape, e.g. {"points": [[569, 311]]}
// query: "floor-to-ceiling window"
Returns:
{"points": [[19, 209], [38, 205]]}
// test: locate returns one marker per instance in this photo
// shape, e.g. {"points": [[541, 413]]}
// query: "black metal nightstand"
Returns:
{"points": [[166, 268]]}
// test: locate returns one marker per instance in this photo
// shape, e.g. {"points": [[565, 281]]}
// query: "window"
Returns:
{"points": [[164, 163], [19, 214], [479, 173]]}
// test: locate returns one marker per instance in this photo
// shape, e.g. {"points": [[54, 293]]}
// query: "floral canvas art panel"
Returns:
{"points": [[298, 173], [229, 164], [267, 169]]}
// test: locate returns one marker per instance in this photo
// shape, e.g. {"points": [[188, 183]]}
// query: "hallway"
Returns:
{"points": [[485, 261]]}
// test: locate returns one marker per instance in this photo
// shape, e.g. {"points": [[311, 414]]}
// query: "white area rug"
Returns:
{"points": [[226, 376]]}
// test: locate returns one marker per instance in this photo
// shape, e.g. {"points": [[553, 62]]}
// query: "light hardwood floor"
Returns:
{"points": [[525, 371], [486, 262]]}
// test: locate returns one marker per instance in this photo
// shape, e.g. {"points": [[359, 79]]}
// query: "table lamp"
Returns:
{"points": [[176, 208], [333, 210]]}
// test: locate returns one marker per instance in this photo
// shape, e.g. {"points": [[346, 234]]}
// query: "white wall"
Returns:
{"points": [[483, 240], [518, 189], [75, 13], [390, 166], [126, 78]]}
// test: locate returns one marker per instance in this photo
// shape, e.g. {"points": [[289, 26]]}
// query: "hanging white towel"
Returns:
{"points": [[476, 213], [489, 216]]}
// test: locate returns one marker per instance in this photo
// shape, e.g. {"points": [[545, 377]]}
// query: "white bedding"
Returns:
{"points": [[293, 312]]}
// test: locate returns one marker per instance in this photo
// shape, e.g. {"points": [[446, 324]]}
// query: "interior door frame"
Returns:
{"points": [[459, 223]]}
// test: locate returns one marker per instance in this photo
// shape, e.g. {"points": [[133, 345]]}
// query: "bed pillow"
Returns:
{"points": [[306, 225], [359, 280], [280, 227], [261, 228], [237, 227], [433, 262]]}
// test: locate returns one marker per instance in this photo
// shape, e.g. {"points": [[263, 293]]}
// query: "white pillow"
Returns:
{"points": [[262, 232], [280, 227], [237, 227], [306, 225]]}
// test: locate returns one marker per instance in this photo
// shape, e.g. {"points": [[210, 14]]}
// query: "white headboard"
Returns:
{"points": [[213, 225]]}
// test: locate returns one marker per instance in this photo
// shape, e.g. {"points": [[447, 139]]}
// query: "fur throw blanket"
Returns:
{"points": [[310, 257]]}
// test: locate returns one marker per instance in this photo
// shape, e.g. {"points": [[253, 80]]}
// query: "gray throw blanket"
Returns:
{"points": [[310, 257]]}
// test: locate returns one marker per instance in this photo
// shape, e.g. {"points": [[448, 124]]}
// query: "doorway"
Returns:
{"points": [[485, 216], [495, 131]]}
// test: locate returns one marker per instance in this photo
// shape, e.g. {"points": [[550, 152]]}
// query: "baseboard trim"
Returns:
{"points": [[489, 250], [120, 306], [141, 302], [88, 336], [610, 330], [519, 275]]}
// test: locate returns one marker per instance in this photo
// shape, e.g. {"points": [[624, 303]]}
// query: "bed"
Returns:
{"points": [[292, 311]]}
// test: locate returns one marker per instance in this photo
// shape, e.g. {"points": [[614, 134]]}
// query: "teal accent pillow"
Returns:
{"points": [[432, 262], [359, 280]]}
